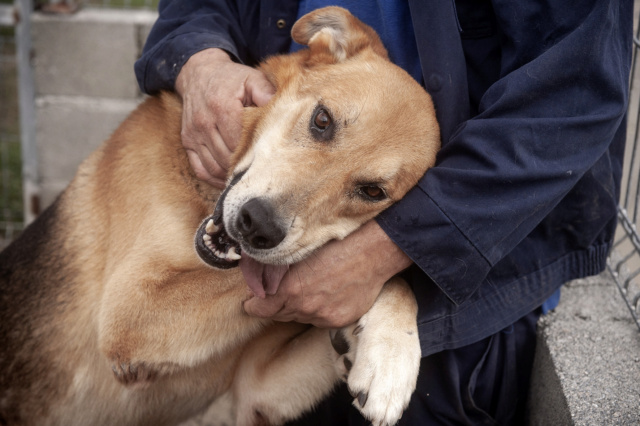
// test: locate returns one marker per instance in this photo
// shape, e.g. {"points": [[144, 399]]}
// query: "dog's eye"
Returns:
{"points": [[372, 192], [322, 120], [321, 126]]}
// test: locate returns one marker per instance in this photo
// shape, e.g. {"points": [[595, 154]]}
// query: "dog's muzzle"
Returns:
{"points": [[258, 226], [214, 246]]}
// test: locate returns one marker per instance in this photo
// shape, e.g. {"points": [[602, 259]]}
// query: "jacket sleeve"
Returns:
{"points": [[186, 27], [561, 97]]}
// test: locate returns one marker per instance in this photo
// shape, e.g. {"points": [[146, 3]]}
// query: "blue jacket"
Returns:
{"points": [[531, 101]]}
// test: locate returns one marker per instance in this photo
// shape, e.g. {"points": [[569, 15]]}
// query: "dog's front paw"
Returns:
{"points": [[379, 359]]}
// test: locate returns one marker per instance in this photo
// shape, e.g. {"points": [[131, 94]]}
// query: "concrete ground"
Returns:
{"points": [[587, 369]]}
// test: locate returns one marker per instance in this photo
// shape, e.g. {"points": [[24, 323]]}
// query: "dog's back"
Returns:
{"points": [[29, 300], [52, 277]]}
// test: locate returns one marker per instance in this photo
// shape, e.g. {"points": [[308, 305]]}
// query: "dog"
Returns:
{"points": [[111, 314]]}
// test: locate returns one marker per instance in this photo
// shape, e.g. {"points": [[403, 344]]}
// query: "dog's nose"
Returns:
{"points": [[258, 226]]}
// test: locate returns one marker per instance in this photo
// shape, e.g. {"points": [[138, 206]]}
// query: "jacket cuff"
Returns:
{"points": [[435, 244], [158, 69]]}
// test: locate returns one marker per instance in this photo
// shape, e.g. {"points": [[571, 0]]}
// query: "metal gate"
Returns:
{"points": [[624, 262], [11, 209]]}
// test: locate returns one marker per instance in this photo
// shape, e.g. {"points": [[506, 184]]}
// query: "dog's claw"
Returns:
{"points": [[133, 374], [347, 364], [358, 329], [339, 342], [362, 398]]}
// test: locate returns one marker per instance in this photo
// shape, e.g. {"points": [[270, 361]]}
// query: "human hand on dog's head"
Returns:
{"points": [[214, 91]]}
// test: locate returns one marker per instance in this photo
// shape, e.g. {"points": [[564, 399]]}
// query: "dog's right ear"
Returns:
{"points": [[334, 35]]}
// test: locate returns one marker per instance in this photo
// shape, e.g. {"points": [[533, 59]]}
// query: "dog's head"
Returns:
{"points": [[346, 134]]}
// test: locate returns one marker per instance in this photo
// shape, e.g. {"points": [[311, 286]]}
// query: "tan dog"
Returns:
{"points": [[107, 282]]}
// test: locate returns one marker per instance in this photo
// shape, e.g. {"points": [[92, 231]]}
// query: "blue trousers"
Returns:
{"points": [[485, 383]]}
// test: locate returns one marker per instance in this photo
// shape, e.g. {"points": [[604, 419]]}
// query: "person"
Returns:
{"points": [[531, 100]]}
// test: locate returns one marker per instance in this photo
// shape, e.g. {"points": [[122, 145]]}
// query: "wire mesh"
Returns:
{"points": [[123, 4], [11, 222], [624, 263]]}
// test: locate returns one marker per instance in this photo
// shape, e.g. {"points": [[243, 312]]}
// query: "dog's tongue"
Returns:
{"points": [[262, 279]]}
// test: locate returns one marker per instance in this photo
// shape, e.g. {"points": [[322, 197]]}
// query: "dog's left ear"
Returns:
{"points": [[334, 35]]}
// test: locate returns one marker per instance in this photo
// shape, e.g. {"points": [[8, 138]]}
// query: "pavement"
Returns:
{"points": [[587, 369]]}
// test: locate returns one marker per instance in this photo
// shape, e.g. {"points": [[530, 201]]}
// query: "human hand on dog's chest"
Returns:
{"points": [[337, 284]]}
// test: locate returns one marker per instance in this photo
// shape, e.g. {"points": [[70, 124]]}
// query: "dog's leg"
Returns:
{"points": [[292, 367], [380, 354], [283, 373], [155, 320]]}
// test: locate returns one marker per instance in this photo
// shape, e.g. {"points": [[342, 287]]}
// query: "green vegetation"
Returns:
{"points": [[134, 4], [10, 160], [11, 180]]}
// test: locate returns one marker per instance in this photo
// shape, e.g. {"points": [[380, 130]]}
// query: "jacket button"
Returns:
{"points": [[434, 83], [281, 23]]}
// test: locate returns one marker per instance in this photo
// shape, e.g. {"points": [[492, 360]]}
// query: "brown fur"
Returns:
{"points": [[106, 282]]}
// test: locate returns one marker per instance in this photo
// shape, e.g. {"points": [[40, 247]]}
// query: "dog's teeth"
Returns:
{"points": [[211, 227], [232, 254], [220, 254], [206, 237], [209, 244]]}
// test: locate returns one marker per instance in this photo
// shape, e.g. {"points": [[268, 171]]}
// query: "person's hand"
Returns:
{"points": [[336, 285], [214, 90]]}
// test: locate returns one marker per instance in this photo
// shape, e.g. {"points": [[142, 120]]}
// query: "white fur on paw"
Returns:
{"points": [[384, 359]]}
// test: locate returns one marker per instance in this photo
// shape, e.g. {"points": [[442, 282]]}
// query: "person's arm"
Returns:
{"points": [[197, 48], [182, 29], [553, 114], [550, 117]]}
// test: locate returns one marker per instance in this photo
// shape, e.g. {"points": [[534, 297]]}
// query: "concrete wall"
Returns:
{"points": [[84, 84]]}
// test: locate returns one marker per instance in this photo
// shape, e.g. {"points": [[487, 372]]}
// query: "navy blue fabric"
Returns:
{"points": [[247, 29], [531, 100], [485, 383]]}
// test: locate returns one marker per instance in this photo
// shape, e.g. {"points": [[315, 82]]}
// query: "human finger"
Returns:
{"points": [[201, 136], [229, 125], [258, 89], [268, 307], [202, 172]]}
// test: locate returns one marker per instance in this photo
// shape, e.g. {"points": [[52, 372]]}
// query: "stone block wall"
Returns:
{"points": [[84, 85]]}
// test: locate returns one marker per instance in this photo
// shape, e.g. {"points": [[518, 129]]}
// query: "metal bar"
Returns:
{"points": [[625, 201], [630, 228], [26, 96], [630, 278], [7, 15], [630, 178], [630, 306], [632, 163], [620, 263], [627, 198], [616, 244]]}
